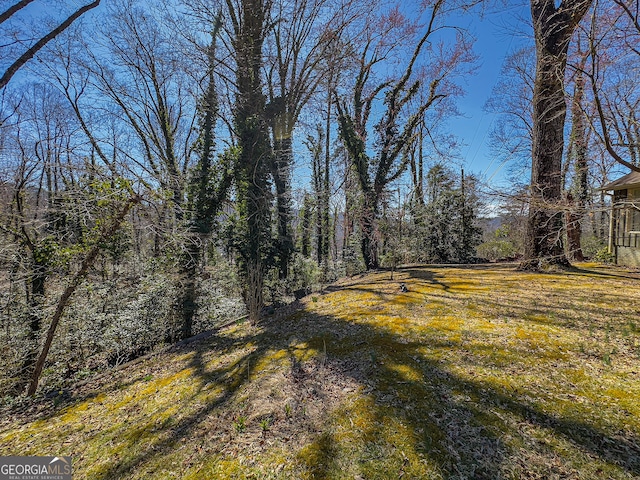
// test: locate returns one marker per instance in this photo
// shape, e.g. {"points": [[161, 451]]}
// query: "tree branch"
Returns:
{"points": [[29, 54], [13, 9]]}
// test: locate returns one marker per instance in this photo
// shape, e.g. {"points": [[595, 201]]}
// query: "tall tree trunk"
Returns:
{"points": [[573, 220], [282, 152], [252, 165], [369, 233], [578, 153], [319, 227], [322, 186], [416, 162], [544, 227], [326, 188], [305, 227], [321, 200], [349, 188], [553, 28], [208, 190]]}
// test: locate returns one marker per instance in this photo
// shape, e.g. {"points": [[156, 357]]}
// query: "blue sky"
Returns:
{"points": [[498, 33]]}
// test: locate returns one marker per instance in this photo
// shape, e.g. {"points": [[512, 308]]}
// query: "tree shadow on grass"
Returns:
{"points": [[457, 422], [428, 276], [559, 311], [380, 286], [454, 424], [575, 269], [231, 377]]}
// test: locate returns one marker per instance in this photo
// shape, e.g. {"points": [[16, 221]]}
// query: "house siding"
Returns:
{"points": [[627, 234], [628, 256]]}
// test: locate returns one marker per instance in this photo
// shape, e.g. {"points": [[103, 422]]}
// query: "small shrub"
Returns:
{"points": [[305, 273], [604, 256], [393, 257], [240, 424], [265, 424], [592, 245], [353, 261]]}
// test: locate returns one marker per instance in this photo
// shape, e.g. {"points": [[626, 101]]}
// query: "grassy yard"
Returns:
{"points": [[478, 373]]}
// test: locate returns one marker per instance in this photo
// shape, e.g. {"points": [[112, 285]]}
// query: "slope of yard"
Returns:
{"points": [[478, 372]]}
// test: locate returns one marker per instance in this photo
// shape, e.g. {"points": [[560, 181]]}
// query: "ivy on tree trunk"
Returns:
{"points": [[252, 164]]}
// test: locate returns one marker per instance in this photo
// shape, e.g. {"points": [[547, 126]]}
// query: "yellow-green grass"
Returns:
{"points": [[477, 372]]}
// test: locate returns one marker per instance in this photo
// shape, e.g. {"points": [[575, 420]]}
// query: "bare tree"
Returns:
{"points": [[209, 184], [298, 61], [553, 28], [59, 209], [398, 124], [578, 195], [614, 53], [145, 80], [37, 219], [144, 87], [511, 100]]}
